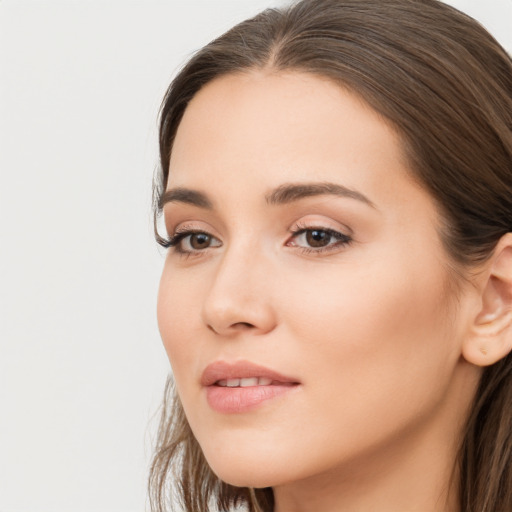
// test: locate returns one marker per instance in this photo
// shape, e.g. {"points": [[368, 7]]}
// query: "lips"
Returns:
{"points": [[242, 386], [220, 371]]}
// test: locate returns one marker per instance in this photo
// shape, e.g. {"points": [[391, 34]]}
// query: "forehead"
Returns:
{"points": [[256, 130]]}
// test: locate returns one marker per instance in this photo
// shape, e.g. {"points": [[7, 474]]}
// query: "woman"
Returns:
{"points": [[336, 302]]}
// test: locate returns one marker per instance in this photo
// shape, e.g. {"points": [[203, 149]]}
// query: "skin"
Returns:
{"points": [[372, 329]]}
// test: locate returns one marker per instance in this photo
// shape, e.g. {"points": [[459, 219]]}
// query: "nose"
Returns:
{"points": [[240, 296]]}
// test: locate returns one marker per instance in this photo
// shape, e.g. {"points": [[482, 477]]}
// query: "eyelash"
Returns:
{"points": [[342, 240], [180, 234]]}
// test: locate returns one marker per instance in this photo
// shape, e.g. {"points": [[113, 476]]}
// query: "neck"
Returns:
{"points": [[413, 481]]}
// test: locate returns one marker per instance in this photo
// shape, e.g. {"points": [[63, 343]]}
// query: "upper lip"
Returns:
{"points": [[222, 370]]}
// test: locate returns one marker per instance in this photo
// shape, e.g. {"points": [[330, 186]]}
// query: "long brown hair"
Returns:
{"points": [[446, 86]]}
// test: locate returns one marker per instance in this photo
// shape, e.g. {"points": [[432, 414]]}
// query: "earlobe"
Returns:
{"points": [[490, 337]]}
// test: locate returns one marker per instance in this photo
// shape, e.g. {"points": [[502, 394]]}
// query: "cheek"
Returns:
{"points": [[374, 333], [348, 301], [178, 320], [377, 358]]}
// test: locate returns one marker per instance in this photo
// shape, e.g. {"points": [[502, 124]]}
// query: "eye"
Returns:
{"points": [[196, 241], [187, 241], [318, 238], [315, 239]]}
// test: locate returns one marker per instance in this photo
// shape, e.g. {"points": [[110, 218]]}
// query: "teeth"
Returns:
{"points": [[244, 383]]}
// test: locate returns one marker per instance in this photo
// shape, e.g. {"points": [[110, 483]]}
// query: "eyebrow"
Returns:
{"points": [[185, 195], [284, 194], [290, 192]]}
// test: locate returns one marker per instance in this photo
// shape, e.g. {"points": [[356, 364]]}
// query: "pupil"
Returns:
{"points": [[199, 240], [316, 238]]}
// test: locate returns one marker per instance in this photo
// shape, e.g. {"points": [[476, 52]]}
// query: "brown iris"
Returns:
{"points": [[318, 238], [200, 240]]}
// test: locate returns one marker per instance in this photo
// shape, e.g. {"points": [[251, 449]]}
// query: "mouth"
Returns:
{"points": [[243, 386], [249, 382]]}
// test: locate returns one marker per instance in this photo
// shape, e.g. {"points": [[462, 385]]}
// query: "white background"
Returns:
{"points": [[81, 364]]}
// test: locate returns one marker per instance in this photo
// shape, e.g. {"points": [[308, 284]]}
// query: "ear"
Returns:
{"points": [[490, 338]]}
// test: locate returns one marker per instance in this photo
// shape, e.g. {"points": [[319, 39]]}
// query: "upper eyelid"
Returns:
{"points": [[200, 226], [194, 226], [318, 228], [305, 225], [184, 233], [338, 234]]}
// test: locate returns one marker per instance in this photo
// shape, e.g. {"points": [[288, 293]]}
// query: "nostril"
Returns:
{"points": [[238, 326], [243, 325]]}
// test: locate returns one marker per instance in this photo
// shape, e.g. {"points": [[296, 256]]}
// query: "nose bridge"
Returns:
{"points": [[239, 296]]}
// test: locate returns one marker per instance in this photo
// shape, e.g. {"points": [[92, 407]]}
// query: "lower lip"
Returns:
{"points": [[236, 400]]}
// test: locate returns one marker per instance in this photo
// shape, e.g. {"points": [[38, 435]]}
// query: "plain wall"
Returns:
{"points": [[82, 368]]}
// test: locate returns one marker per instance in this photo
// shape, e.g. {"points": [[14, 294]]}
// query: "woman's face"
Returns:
{"points": [[305, 304]]}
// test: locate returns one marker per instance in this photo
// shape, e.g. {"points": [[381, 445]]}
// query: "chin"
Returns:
{"points": [[255, 481], [248, 471], [247, 477]]}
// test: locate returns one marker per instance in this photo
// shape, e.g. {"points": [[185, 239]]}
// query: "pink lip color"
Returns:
{"points": [[230, 400]]}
